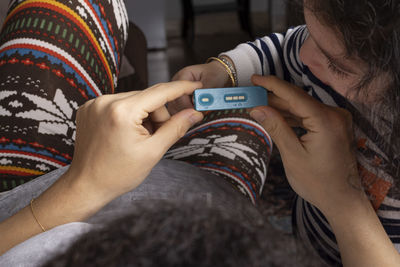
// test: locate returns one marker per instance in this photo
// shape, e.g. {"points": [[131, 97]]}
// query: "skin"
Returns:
{"points": [[212, 75], [327, 179], [321, 166], [323, 52], [110, 158], [325, 55]]}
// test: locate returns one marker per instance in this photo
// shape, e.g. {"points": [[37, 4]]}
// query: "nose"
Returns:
{"points": [[307, 53], [311, 56]]}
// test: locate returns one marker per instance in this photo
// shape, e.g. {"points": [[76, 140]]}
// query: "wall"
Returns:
{"points": [[173, 10], [149, 15]]}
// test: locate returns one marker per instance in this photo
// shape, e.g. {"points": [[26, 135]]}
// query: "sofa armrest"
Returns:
{"points": [[136, 54]]}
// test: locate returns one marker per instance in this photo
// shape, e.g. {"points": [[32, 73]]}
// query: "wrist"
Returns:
{"points": [[69, 199], [347, 207], [361, 238], [231, 66], [86, 188], [346, 202], [223, 70]]}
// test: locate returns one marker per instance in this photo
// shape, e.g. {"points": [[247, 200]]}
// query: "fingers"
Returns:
{"points": [[179, 104], [105, 100], [157, 96], [278, 103], [293, 122], [151, 100], [297, 101], [184, 75], [278, 128], [175, 128], [160, 115]]}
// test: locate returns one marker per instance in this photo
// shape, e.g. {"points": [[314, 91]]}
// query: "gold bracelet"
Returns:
{"points": [[231, 67], [34, 216], [228, 70]]}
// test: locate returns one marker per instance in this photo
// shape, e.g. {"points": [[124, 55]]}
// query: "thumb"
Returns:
{"points": [[183, 75], [175, 128], [280, 131]]}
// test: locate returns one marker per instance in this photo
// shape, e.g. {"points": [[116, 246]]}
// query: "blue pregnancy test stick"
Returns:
{"points": [[229, 98]]}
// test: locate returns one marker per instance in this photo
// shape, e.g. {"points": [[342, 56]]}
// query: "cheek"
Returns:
{"points": [[345, 87], [340, 86], [310, 56], [314, 61], [317, 63], [318, 66]]}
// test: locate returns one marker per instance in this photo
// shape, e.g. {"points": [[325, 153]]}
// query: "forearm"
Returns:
{"points": [[62, 203], [360, 235]]}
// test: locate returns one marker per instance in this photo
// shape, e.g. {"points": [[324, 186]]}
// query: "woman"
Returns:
{"points": [[115, 157], [347, 55]]}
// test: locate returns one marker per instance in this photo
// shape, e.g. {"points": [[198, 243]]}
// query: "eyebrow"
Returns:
{"points": [[332, 59]]}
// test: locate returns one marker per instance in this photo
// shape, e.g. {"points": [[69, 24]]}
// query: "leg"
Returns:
{"points": [[244, 16], [188, 20], [54, 56], [230, 144]]}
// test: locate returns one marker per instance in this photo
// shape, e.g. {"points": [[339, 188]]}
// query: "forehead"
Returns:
{"points": [[330, 42], [326, 37]]}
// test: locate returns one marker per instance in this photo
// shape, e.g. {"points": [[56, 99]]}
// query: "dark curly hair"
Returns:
{"points": [[370, 30], [182, 234]]}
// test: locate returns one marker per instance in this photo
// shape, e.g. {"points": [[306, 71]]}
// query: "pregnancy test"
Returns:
{"points": [[229, 98]]}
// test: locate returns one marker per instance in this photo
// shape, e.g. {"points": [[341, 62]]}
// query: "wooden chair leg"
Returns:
{"points": [[188, 19], [244, 16], [187, 25]]}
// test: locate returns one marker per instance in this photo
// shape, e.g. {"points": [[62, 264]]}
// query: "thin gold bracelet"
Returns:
{"points": [[34, 216], [231, 67], [228, 70]]}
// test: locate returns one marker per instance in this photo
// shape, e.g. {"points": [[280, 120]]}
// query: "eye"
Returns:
{"points": [[335, 70]]}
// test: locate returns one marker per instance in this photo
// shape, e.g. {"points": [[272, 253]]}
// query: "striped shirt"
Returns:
{"points": [[278, 54]]}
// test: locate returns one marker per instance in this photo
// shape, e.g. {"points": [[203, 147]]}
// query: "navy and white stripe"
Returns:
{"points": [[278, 54]]}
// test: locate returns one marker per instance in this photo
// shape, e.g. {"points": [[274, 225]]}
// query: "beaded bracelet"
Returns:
{"points": [[227, 68], [231, 67]]}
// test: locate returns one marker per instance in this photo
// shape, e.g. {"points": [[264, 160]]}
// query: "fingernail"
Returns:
{"points": [[258, 115], [195, 117]]}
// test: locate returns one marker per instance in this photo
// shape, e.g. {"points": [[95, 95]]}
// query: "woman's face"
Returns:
{"points": [[325, 55]]}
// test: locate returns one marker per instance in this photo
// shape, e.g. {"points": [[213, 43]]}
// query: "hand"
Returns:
{"points": [[120, 138], [212, 75], [320, 165]]}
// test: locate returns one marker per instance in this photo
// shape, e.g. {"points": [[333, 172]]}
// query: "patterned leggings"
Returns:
{"points": [[230, 144], [54, 56], [57, 54]]}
